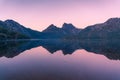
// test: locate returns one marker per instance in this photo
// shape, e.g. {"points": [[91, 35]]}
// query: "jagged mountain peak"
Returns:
{"points": [[51, 28], [68, 26], [67, 23]]}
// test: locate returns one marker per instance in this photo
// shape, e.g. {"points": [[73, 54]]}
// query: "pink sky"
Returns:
{"points": [[39, 14]]}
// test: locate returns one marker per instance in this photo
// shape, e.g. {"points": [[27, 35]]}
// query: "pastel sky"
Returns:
{"points": [[39, 14]]}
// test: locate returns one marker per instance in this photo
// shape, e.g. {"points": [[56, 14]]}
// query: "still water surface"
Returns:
{"points": [[60, 60]]}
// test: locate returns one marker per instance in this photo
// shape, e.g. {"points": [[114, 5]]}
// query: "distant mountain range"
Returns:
{"points": [[10, 29]]}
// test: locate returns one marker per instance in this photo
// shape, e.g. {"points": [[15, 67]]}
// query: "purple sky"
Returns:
{"points": [[38, 14]]}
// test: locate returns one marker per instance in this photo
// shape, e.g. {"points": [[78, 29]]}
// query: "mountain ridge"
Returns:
{"points": [[107, 30]]}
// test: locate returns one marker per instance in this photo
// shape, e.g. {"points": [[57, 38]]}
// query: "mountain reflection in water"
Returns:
{"points": [[108, 48]]}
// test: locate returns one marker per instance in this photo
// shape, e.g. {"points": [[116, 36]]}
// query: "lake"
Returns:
{"points": [[60, 60]]}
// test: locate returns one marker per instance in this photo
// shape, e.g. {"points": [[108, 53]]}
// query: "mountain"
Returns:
{"points": [[107, 30], [14, 26], [5, 34], [52, 29], [66, 29], [51, 32], [70, 29], [55, 32], [8, 34], [110, 29]]}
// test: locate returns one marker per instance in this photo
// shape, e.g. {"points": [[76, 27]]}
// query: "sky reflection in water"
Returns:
{"points": [[39, 64]]}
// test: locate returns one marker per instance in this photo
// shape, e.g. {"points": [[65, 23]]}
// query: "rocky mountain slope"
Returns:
{"points": [[14, 26], [107, 30]]}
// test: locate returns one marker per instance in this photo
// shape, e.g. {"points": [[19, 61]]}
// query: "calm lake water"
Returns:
{"points": [[60, 60]]}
